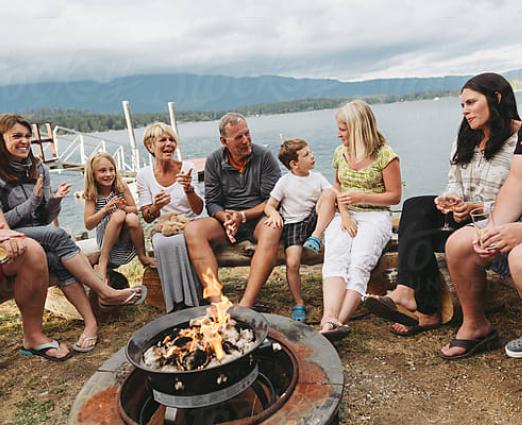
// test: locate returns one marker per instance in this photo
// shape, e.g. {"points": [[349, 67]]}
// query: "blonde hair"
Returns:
{"points": [[364, 138], [90, 189], [156, 130]]}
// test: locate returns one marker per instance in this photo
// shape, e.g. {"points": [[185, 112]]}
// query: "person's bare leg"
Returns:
{"points": [[351, 301], [81, 269], [469, 278], [334, 291], [132, 223], [293, 263], [110, 236], [76, 295], [404, 296], [515, 267], [199, 234], [30, 291], [262, 262], [325, 212]]}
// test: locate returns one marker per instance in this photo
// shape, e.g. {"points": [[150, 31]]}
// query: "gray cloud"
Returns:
{"points": [[347, 40]]}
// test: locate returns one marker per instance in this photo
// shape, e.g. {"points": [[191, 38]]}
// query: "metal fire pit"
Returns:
{"points": [[197, 388], [313, 395]]}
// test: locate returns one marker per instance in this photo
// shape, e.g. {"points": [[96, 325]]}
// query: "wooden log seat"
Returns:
{"points": [[240, 255]]}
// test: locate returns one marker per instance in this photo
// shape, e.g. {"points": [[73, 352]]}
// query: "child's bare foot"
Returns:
{"points": [[147, 261]]}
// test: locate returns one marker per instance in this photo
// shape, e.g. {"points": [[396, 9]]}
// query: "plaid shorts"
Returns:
{"points": [[297, 233]]}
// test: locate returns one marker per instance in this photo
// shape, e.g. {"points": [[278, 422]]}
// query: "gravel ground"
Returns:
{"points": [[388, 379]]}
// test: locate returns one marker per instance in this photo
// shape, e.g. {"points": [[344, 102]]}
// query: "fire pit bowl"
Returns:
{"points": [[207, 386]]}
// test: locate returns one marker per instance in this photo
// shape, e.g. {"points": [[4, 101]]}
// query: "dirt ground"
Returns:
{"points": [[388, 379]]}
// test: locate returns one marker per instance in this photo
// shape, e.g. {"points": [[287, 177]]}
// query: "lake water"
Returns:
{"points": [[421, 132]]}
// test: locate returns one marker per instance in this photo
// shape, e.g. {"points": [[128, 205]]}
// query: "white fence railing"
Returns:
{"points": [[76, 149]]}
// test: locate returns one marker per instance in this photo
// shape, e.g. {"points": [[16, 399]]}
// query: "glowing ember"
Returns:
{"points": [[209, 340]]}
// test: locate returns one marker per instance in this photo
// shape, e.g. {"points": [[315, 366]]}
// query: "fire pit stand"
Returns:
{"points": [[300, 384]]}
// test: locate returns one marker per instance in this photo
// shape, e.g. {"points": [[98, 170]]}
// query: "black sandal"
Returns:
{"points": [[473, 346]]}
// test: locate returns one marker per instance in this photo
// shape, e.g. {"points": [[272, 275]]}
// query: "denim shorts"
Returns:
{"points": [[58, 246]]}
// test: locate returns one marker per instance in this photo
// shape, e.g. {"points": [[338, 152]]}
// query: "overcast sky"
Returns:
{"points": [[44, 40]]}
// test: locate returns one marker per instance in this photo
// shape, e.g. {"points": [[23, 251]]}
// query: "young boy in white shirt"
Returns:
{"points": [[297, 193]]}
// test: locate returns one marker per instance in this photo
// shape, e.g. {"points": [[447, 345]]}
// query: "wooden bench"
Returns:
{"points": [[240, 255]]}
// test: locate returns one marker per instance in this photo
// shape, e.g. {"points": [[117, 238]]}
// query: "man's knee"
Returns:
{"points": [[267, 234], [201, 232]]}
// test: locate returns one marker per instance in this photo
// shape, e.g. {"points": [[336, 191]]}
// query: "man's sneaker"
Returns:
{"points": [[514, 348]]}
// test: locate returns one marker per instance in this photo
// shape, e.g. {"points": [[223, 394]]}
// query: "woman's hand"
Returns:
{"points": [[185, 180], [161, 199], [6, 233], [501, 238], [348, 223], [447, 203], [350, 198], [461, 211], [12, 242], [38, 186], [62, 191], [274, 220]]}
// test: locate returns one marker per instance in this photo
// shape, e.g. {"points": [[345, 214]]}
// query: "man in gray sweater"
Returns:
{"points": [[239, 177]]}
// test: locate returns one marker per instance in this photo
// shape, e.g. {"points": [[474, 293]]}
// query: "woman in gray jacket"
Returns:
{"points": [[29, 206]]}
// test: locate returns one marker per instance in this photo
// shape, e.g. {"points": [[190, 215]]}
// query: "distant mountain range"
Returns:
{"points": [[191, 92]]}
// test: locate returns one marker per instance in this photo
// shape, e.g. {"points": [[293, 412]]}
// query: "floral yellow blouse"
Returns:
{"points": [[368, 180]]}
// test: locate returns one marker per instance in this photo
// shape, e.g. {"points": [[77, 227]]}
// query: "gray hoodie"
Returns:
{"points": [[20, 206]]}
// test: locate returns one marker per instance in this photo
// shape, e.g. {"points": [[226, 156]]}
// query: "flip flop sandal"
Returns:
{"points": [[386, 308], [416, 329], [128, 301], [312, 244], [473, 346], [298, 313], [42, 349], [338, 331], [78, 346]]}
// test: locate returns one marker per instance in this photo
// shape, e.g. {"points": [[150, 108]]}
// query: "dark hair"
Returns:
{"points": [[289, 149], [7, 122], [502, 113]]}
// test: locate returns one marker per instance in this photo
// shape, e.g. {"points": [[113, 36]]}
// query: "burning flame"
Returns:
{"points": [[217, 316]]}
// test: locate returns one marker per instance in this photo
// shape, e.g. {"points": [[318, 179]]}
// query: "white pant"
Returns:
{"points": [[353, 259]]}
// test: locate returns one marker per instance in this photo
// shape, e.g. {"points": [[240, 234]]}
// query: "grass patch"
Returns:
{"points": [[33, 412]]}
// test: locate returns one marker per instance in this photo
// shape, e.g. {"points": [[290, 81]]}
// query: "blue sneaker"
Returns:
{"points": [[312, 244], [298, 313]]}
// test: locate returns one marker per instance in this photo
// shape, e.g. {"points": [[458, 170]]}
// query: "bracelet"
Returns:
{"points": [[191, 190], [243, 216], [149, 213]]}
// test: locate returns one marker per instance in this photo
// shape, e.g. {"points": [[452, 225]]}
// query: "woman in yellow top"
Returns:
{"points": [[368, 181]]}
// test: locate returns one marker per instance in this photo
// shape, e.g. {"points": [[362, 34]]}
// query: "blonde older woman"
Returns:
{"points": [[167, 186]]}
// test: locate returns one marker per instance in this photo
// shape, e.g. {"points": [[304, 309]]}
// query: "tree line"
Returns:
{"points": [[87, 121]]}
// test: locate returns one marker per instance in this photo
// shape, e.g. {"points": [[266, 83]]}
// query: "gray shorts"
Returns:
{"points": [[58, 246]]}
